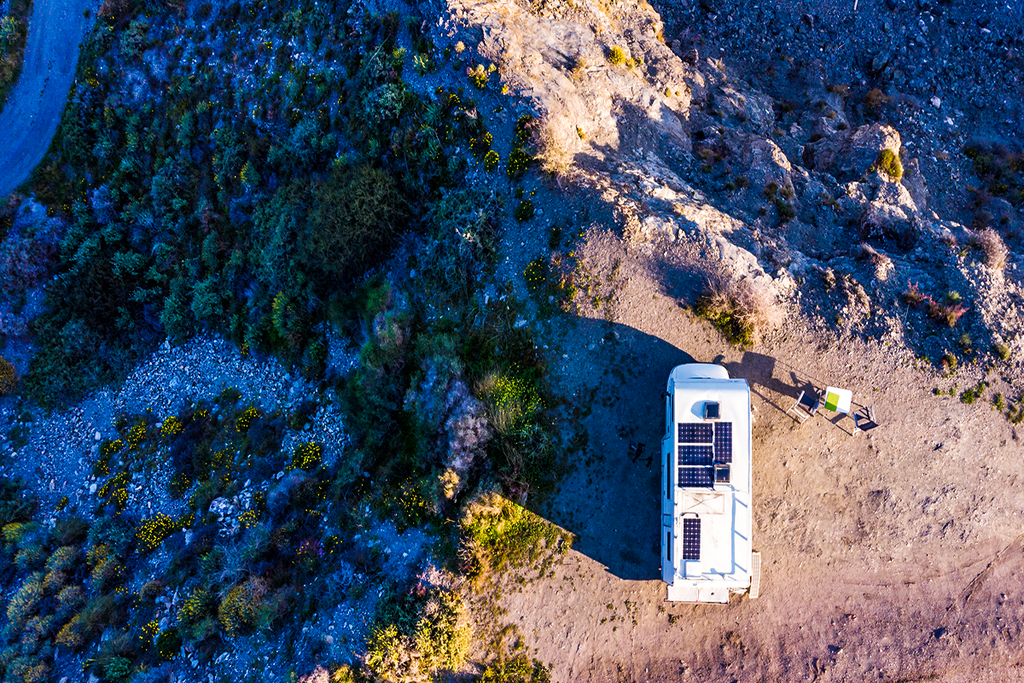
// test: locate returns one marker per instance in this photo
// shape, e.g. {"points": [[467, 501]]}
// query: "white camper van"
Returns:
{"points": [[706, 522]]}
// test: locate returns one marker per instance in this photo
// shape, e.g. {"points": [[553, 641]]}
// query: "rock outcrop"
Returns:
{"points": [[691, 158]]}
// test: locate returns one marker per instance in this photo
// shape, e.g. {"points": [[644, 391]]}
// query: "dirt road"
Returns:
{"points": [[31, 116]]}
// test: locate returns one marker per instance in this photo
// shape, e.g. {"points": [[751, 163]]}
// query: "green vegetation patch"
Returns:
{"points": [[888, 162], [498, 534], [242, 197], [418, 634], [13, 34]]}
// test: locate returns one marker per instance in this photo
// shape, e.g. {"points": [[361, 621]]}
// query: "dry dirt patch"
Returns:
{"points": [[889, 555]]}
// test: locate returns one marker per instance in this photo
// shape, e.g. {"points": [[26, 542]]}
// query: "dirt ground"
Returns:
{"points": [[894, 554]]}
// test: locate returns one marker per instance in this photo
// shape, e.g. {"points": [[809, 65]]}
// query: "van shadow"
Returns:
{"points": [[610, 498]]}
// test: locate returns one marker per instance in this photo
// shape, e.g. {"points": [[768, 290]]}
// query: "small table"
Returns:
{"points": [[838, 400]]}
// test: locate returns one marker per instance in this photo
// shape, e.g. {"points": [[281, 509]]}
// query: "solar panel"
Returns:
{"points": [[696, 476], [722, 475], [696, 455], [694, 432], [691, 538], [723, 442]]}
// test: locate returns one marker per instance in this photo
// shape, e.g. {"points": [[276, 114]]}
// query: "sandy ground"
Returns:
{"points": [[32, 114], [894, 554]]}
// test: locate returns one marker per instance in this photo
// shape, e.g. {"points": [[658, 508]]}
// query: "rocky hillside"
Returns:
{"points": [[809, 192]]}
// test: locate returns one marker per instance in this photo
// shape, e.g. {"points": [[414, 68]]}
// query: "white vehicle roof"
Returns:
{"points": [[706, 485]]}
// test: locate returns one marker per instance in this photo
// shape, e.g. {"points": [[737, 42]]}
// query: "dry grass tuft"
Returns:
{"points": [[743, 310], [557, 143], [991, 246], [8, 377]]}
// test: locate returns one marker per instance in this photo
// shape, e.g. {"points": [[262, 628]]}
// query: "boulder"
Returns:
{"points": [[848, 155], [891, 214]]}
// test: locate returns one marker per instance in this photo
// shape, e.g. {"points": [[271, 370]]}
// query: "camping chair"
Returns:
{"points": [[805, 406], [865, 420]]}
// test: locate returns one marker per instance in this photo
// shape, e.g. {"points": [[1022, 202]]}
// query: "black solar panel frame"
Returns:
{"points": [[691, 538], [696, 477], [695, 432], [696, 454], [723, 442]]}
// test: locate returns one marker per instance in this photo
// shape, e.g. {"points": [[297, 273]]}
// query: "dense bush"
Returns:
{"points": [[417, 636], [888, 162], [498, 534], [358, 212], [181, 221]]}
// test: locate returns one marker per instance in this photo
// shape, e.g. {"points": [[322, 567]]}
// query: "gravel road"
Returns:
{"points": [[30, 118]]}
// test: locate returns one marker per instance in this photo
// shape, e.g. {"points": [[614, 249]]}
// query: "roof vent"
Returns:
{"points": [[711, 410]]}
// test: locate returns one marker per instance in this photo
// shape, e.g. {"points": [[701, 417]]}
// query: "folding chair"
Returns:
{"points": [[805, 406], [865, 420]]}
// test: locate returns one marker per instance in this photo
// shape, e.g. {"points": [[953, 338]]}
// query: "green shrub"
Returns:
{"points": [[443, 632], [524, 210], [888, 162], [518, 158], [25, 600], [72, 634], [741, 310], [15, 508], [512, 402], [168, 643], [785, 210], [241, 607], [308, 456], [69, 599], [948, 362], [29, 669], [491, 160], [29, 556], [152, 531], [617, 56], [358, 213], [1001, 350], [478, 76], [118, 669], [518, 669], [62, 559], [390, 655]]}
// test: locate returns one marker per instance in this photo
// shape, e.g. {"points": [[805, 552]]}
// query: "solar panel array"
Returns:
{"points": [[695, 432], [701, 445], [696, 455], [696, 476], [723, 442], [691, 538]]}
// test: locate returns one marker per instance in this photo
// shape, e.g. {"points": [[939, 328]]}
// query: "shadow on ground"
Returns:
{"points": [[610, 498]]}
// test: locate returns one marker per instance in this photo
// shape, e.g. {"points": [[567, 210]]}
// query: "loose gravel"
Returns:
{"points": [[59, 449]]}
